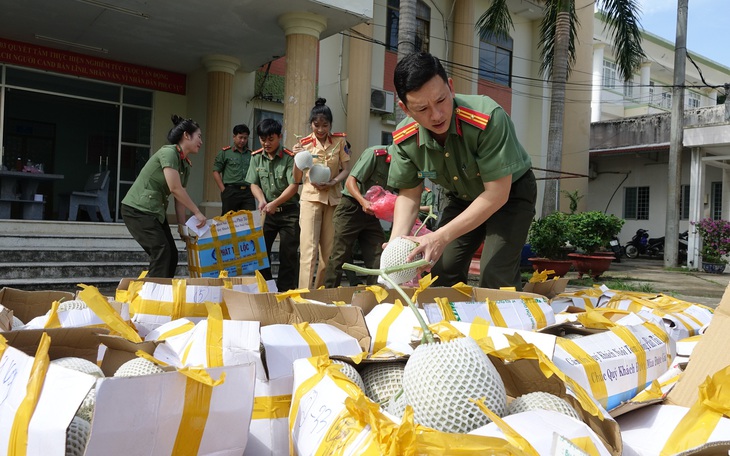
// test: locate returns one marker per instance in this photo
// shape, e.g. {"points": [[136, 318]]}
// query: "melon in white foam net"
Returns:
{"points": [[441, 379], [395, 254], [319, 174], [397, 405], [382, 380], [77, 435], [137, 368], [542, 401], [303, 160], [86, 410], [351, 373]]}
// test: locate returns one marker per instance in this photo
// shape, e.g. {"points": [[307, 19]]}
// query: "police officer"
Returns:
{"points": [[354, 220], [427, 202], [274, 182], [229, 172], [467, 144]]}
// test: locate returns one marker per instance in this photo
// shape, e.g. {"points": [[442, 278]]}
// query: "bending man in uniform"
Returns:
{"points": [[466, 144]]}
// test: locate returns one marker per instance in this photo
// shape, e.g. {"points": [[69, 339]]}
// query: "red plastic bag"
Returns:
{"points": [[382, 202]]}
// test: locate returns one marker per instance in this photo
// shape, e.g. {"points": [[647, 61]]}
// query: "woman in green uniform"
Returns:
{"points": [[144, 208]]}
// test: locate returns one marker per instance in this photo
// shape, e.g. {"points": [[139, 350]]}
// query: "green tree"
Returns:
{"points": [[557, 51]]}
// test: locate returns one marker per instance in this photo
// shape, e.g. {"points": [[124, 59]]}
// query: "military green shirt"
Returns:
{"points": [[273, 175], [232, 165], [481, 146], [370, 169], [149, 192], [427, 199]]}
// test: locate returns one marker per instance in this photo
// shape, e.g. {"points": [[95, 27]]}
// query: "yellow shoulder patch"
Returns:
{"points": [[475, 118], [257, 151], [287, 151], [406, 132], [226, 148], [306, 140], [341, 134]]}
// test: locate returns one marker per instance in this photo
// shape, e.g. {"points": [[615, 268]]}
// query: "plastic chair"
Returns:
{"points": [[95, 196]]}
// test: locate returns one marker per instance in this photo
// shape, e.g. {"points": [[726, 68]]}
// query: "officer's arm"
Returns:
{"points": [[406, 210], [218, 180], [288, 192], [259, 195], [172, 178]]}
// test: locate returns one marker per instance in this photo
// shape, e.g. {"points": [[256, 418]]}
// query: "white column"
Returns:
{"points": [[725, 199], [597, 84], [696, 205], [645, 80]]}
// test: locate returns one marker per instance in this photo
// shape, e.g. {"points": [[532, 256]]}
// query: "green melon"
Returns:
{"points": [[351, 373], [77, 435], [382, 380], [395, 254], [542, 401], [137, 368]]}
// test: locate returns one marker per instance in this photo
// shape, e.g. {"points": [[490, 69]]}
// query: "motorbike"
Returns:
{"points": [[642, 244]]}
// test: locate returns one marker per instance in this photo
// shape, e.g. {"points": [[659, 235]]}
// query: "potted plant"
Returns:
{"points": [[548, 237], [715, 236], [592, 231]]}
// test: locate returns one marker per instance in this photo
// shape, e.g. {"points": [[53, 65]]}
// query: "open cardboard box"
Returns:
{"points": [[709, 356], [549, 288], [269, 425], [27, 305]]}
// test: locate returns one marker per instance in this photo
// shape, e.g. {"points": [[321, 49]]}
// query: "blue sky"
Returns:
{"points": [[707, 28]]}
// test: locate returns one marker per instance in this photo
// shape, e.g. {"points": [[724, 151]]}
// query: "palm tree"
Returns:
{"points": [[557, 51]]}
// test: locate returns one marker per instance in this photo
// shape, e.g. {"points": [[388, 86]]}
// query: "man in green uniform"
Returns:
{"points": [[467, 144], [229, 172], [274, 182], [354, 220], [427, 202]]}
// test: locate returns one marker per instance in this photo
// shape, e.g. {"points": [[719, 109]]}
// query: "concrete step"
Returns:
{"points": [[66, 270]]}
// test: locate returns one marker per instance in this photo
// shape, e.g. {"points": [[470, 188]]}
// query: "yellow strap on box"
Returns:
{"points": [[179, 297], [463, 288], [591, 367], [263, 287], [381, 334], [198, 393], [446, 331], [632, 342], [695, 428], [316, 345], [214, 335], [53, 321], [18, 444], [177, 331], [379, 292], [271, 407], [479, 328], [536, 311], [495, 314], [587, 445], [294, 295], [150, 358], [101, 307], [446, 310], [3, 345], [423, 283], [512, 436]]}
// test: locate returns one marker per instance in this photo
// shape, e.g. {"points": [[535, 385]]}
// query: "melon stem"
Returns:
{"points": [[430, 215], [385, 274]]}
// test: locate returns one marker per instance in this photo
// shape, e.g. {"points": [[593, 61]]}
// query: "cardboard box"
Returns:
{"points": [[27, 305], [549, 288], [706, 360], [234, 243]]}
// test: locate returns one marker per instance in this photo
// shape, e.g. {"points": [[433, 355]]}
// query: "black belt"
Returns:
{"points": [[287, 207], [238, 186]]}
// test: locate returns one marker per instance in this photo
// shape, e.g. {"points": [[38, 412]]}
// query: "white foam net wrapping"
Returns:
{"points": [[542, 401], [382, 380], [137, 367], [77, 435]]}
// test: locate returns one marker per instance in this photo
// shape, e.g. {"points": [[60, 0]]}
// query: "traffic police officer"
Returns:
{"points": [[274, 182], [467, 144], [229, 172], [355, 221]]}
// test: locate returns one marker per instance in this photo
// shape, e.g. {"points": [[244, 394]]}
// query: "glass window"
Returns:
{"points": [[137, 97], [692, 100], [136, 126], [423, 25], [629, 89], [61, 84], [609, 74], [716, 202], [666, 101], [495, 60], [636, 203], [684, 203]]}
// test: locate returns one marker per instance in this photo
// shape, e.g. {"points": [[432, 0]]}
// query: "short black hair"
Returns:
{"points": [[414, 70], [268, 127], [320, 109], [241, 128], [181, 126]]}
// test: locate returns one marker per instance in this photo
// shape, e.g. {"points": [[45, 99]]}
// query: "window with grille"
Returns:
{"points": [[636, 203], [651, 93], [692, 100], [684, 203], [495, 60], [609, 74], [629, 89], [423, 25], [716, 200], [666, 101]]}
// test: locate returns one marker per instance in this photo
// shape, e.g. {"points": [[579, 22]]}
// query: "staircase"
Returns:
{"points": [[55, 255]]}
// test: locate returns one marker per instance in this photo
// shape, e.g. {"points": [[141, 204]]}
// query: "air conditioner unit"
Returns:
{"points": [[382, 101]]}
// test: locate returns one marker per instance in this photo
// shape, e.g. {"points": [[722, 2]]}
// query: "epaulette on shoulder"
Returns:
{"points": [[339, 135], [381, 152], [475, 118], [226, 148], [288, 152], [405, 132], [257, 151], [306, 140], [427, 189]]}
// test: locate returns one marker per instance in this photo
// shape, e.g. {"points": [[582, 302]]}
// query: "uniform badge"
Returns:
{"points": [[427, 174]]}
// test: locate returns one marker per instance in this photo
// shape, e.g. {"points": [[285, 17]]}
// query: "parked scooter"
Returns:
{"points": [[642, 244]]}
